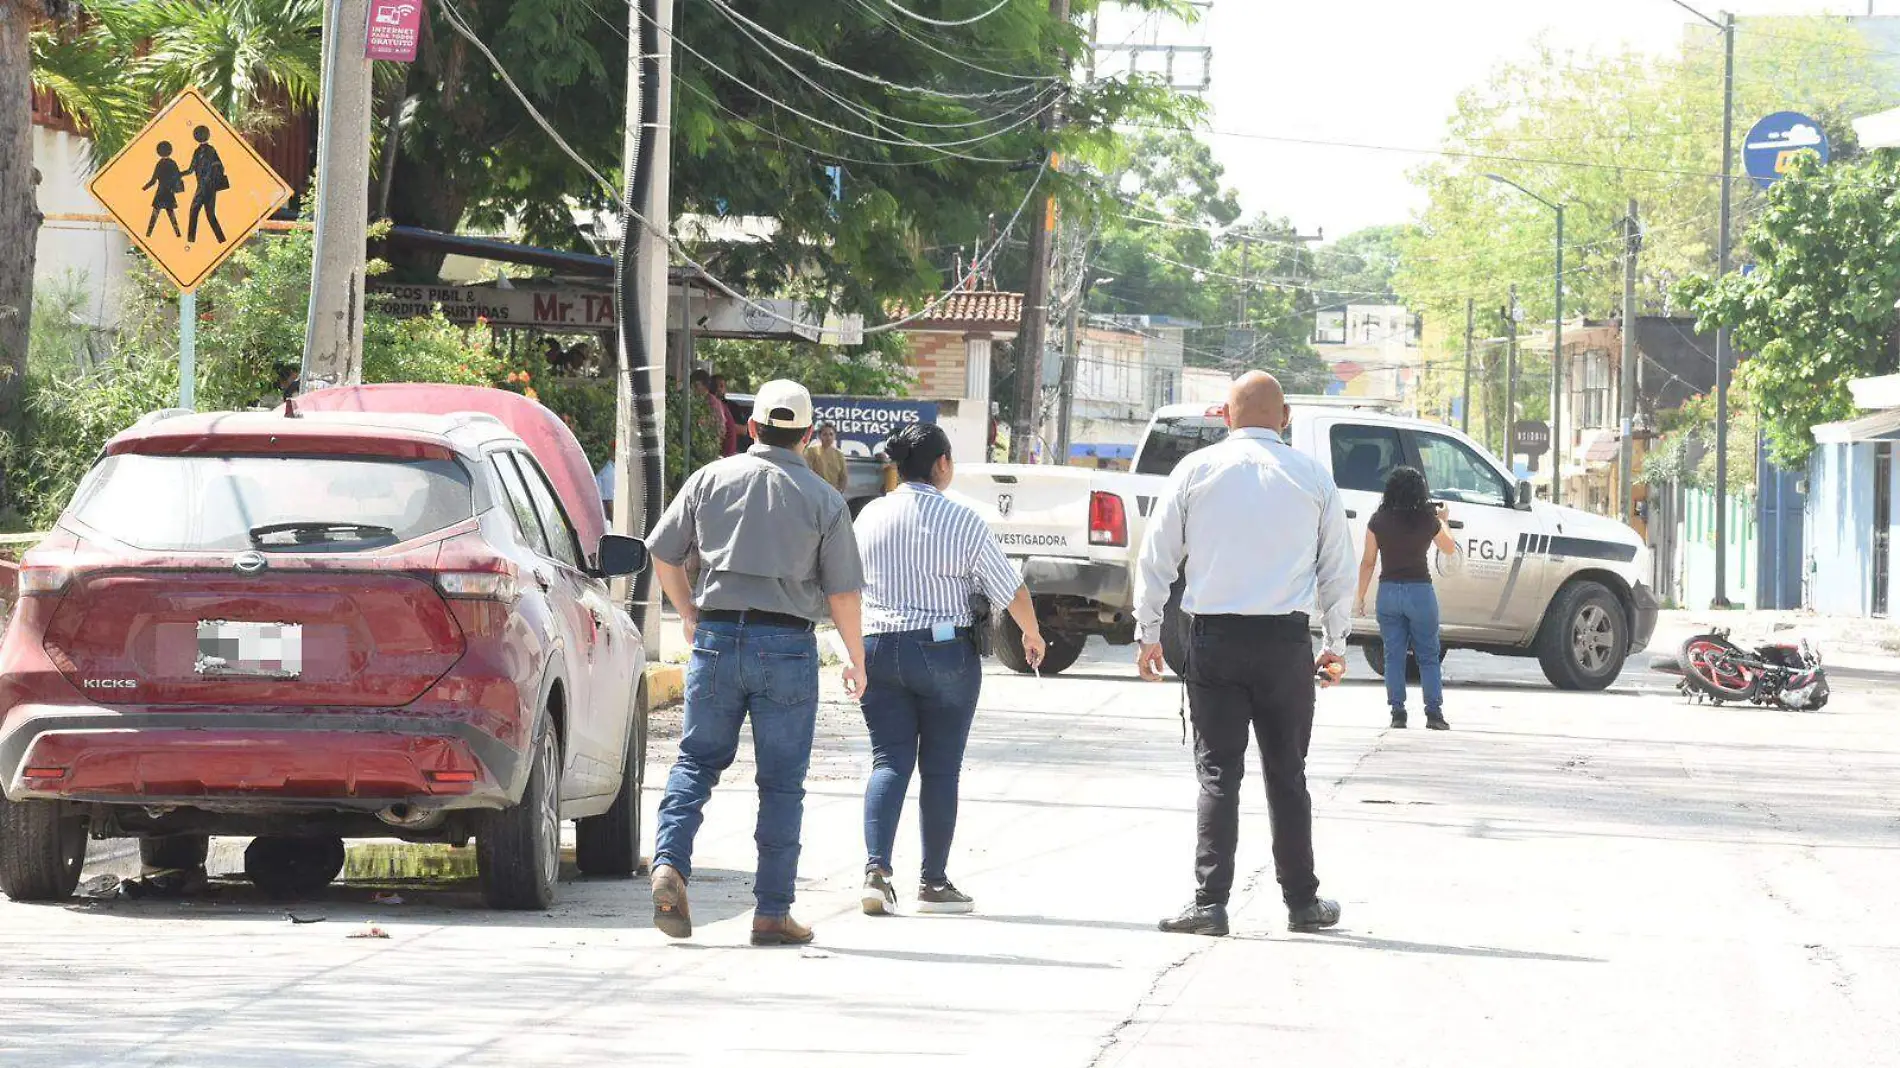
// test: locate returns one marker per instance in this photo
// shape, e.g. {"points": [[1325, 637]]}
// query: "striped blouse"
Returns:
{"points": [[924, 554]]}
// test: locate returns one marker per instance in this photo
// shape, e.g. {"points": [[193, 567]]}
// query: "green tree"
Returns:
{"points": [[1817, 310], [1362, 265]]}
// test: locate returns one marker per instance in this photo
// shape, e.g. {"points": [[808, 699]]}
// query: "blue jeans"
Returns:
{"points": [[771, 673], [1408, 619], [919, 704]]}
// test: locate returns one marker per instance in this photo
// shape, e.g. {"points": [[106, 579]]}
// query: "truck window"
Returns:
{"points": [[1171, 440], [1455, 473], [1364, 455]]}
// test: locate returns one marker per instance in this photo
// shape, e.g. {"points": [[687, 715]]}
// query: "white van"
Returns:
{"points": [[1534, 579]]}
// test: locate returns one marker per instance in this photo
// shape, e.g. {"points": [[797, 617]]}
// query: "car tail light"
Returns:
{"points": [[1108, 519], [44, 581], [478, 585]]}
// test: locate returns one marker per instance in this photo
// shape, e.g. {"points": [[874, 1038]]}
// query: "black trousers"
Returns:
{"points": [[1252, 672]]}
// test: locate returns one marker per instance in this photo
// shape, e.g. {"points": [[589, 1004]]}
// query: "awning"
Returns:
{"points": [[1604, 449], [1880, 426]]}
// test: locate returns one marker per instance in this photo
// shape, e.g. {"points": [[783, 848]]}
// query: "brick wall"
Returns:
{"points": [[939, 361]]}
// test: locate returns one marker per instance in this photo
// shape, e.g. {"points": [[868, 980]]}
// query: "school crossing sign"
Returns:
{"points": [[188, 190]]}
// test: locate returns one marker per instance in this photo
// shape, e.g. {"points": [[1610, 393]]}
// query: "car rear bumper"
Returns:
{"points": [[1643, 618], [253, 761], [1055, 576]]}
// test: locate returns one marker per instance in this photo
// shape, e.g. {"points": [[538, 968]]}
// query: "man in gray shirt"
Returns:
{"points": [[775, 555], [1264, 537]]}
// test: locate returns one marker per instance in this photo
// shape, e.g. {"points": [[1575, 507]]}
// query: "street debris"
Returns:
{"points": [[384, 897], [294, 918], [165, 883], [371, 931], [100, 887]]}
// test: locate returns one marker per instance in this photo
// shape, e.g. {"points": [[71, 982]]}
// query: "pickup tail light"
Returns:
{"points": [[478, 586], [1108, 519]]}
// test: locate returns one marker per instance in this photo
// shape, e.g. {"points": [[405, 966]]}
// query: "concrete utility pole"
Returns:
{"points": [[1510, 383], [1559, 375], [1464, 412], [649, 71], [1721, 335], [1032, 336], [1632, 244], [333, 336]]}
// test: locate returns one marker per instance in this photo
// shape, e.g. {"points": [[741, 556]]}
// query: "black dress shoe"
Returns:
{"points": [[1436, 723], [1398, 721], [1317, 916], [1199, 920]]}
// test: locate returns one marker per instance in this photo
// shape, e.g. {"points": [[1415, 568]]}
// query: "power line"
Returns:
{"points": [[946, 23], [905, 32]]}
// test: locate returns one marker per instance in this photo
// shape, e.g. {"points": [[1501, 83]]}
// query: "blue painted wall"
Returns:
{"points": [[1840, 529]]}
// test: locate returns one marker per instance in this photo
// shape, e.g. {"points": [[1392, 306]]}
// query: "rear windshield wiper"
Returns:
{"points": [[312, 532]]}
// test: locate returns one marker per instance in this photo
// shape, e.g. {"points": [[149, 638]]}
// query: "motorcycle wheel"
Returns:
{"points": [[1708, 667]]}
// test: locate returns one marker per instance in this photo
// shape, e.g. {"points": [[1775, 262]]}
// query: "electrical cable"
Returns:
{"points": [[905, 32], [947, 23]]}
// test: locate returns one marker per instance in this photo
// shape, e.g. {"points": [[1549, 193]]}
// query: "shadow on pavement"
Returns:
{"points": [[1387, 945], [985, 959]]}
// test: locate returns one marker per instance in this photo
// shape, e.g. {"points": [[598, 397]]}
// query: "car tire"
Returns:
{"points": [[1374, 651], [609, 844], [1585, 639], [518, 850], [174, 852], [42, 850], [1176, 633], [1007, 642], [1064, 650], [286, 867]]}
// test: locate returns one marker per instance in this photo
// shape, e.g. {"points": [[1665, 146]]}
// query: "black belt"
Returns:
{"points": [[1290, 627], [745, 616]]}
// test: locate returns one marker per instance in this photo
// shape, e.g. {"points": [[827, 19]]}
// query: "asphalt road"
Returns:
{"points": [[1563, 879]]}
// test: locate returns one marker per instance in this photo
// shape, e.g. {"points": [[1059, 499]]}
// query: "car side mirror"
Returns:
{"points": [[621, 555], [1523, 496]]}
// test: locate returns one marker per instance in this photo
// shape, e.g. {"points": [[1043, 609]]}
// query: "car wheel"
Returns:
{"points": [[1008, 644], [286, 867], [609, 844], [1585, 638], [42, 849], [1064, 650], [518, 850], [1374, 651], [1175, 633], [174, 852]]}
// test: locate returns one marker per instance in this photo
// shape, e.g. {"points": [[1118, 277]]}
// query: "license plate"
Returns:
{"points": [[249, 650]]}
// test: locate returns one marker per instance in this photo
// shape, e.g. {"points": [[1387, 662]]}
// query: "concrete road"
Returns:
{"points": [[1605, 879]]}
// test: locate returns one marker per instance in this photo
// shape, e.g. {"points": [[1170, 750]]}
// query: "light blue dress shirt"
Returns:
{"points": [[1263, 532]]}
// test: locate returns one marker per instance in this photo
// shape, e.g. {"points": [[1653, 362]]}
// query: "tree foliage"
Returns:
{"points": [[1591, 131], [1817, 309]]}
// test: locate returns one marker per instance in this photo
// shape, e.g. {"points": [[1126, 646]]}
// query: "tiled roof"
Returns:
{"points": [[965, 308]]}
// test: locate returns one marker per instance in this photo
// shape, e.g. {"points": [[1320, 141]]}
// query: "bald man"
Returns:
{"points": [[1263, 534]]}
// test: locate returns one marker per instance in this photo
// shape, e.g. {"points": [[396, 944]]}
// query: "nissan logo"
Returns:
{"points": [[250, 563], [1004, 502]]}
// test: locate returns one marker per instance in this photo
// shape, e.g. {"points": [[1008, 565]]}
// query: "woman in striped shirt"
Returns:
{"points": [[924, 557]]}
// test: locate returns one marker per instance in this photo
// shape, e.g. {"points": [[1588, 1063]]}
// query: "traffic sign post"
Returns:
{"points": [[1775, 142], [188, 191]]}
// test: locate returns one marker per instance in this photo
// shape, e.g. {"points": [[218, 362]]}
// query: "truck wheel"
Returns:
{"points": [[285, 867], [1585, 638], [174, 852], [609, 844], [1175, 634], [1008, 644], [42, 849], [518, 850], [1064, 650], [1375, 659]]}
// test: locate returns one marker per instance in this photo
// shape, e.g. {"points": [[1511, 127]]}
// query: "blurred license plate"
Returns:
{"points": [[250, 650]]}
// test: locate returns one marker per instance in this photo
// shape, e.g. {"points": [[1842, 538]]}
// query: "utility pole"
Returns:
{"points": [[1721, 334], [1031, 337], [1065, 392], [640, 382], [1464, 412], [1559, 374], [1510, 383], [333, 335], [1632, 244]]}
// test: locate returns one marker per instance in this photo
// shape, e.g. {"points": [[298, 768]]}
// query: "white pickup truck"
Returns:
{"points": [[1533, 579]]}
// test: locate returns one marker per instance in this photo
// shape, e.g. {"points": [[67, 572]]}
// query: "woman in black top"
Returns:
{"points": [[1402, 532]]}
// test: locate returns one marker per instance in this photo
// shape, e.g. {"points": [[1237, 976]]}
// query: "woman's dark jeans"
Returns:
{"points": [[919, 703]]}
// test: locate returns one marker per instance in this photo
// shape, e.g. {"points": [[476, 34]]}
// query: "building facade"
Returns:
{"points": [[1375, 352]]}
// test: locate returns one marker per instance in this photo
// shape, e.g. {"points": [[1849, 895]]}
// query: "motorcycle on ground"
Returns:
{"points": [[1781, 675]]}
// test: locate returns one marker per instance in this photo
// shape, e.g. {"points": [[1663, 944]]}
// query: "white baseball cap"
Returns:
{"points": [[783, 404]]}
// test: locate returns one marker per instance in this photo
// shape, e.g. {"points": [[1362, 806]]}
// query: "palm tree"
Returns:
{"points": [[253, 59]]}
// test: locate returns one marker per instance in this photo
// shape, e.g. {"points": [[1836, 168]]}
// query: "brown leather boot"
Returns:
{"points": [[779, 931], [670, 911]]}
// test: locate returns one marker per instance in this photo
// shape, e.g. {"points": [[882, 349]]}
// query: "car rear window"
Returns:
{"points": [[1171, 440], [270, 503]]}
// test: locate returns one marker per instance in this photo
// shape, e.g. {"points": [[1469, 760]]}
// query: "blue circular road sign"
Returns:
{"points": [[1777, 141]]}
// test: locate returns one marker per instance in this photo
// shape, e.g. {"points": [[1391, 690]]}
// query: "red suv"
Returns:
{"points": [[316, 627]]}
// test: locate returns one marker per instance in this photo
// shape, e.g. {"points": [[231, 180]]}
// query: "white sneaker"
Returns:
{"points": [[879, 899]]}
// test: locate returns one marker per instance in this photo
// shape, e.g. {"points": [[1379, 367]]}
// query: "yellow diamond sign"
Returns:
{"points": [[189, 190]]}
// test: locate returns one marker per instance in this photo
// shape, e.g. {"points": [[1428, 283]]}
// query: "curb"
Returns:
{"points": [[666, 684]]}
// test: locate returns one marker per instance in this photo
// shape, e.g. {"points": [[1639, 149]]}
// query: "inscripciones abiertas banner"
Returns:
{"points": [[864, 424]]}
